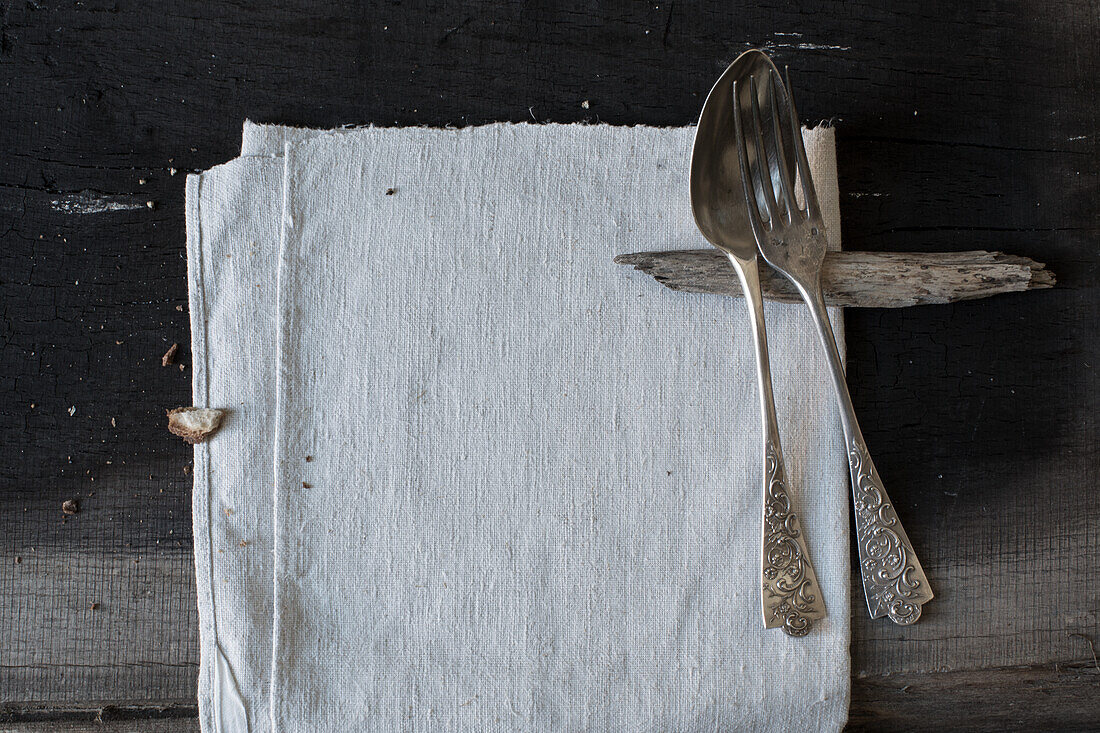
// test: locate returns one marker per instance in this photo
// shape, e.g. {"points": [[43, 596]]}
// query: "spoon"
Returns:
{"points": [[790, 595]]}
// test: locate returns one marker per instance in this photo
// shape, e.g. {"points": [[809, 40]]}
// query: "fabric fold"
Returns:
{"points": [[233, 230]]}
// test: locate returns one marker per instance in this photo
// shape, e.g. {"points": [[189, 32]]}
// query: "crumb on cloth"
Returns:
{"points": [[170, 355], [194, 424], [69, 506]]}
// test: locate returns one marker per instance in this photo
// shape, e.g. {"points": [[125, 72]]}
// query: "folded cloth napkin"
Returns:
{"points": [[507, 485]]}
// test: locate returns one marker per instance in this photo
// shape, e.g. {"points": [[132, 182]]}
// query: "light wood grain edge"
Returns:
{"points": [[858, 279]]}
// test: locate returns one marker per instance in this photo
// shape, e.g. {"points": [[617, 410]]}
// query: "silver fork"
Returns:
{"points": [[791, 237]]}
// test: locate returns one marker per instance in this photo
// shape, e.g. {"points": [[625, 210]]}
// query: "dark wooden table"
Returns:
{"points": [[960, 126]]}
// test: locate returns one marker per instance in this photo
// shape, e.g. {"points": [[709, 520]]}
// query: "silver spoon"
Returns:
{"points": [[792, 239], [790, 595]]}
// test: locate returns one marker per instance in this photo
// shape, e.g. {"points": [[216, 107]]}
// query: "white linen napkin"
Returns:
{"points": [[516, 488]]}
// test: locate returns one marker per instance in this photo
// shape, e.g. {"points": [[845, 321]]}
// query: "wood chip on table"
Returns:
{"points": [[194, 424]]}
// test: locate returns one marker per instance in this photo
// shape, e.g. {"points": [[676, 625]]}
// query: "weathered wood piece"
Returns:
{"points": [[857, 279]]}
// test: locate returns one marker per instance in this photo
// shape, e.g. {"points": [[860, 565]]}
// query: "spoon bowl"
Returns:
{"points": [[716, 189]]}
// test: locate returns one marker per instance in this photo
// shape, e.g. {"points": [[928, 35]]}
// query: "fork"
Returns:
{"points": [[791, 237]]}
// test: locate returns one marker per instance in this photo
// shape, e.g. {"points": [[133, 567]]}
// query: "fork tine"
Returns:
{"points": [[763, 177], [747, 186], [787, 197], [812, 207]]}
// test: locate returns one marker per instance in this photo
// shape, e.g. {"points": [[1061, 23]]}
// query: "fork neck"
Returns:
{"points": [[815, 301]]}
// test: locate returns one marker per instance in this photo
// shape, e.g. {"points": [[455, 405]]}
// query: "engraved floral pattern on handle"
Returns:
{"points": [[791, 595], [893, 580]]}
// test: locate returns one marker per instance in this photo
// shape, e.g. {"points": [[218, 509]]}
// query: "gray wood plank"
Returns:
{"points": [[140, 637], [1062, 698], [1004, 610], [1028, 699]]}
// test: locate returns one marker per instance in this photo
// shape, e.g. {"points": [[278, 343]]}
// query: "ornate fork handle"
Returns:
{"points": [[893, 581], [790, 595]]}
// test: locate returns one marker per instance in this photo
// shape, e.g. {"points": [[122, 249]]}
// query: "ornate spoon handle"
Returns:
{"points": [[790, 595], [893, 581]]}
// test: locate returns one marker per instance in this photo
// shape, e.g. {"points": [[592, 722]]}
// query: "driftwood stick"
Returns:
{"points": [[859, 279]]}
